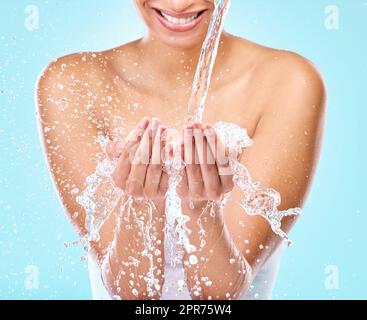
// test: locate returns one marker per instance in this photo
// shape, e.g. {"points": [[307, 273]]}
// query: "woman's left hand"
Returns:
{"points": [[207, 174]]}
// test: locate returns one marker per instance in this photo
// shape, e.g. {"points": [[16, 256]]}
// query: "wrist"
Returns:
{"points": [[197, 206], [206, 222]]}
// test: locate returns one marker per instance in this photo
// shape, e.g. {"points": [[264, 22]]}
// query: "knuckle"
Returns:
{"points": [[152, 180], [197, 193], [150, 193], [214, 194], [225, 171], [211, 168], [228, 186], [155, 170], [124, 154], [182, 192]]}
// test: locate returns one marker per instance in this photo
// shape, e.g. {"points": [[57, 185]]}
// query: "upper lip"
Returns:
{"points": [[180, 15]]}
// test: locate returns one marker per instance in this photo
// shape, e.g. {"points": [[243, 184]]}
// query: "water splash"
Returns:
{"points": [[100, 196], [257, 201], [176, 229]]}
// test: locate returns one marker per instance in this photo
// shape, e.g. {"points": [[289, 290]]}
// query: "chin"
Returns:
{"points": [[180, 42]]}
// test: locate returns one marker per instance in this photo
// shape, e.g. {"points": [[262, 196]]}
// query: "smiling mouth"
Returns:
{"points": [[179, 20]]}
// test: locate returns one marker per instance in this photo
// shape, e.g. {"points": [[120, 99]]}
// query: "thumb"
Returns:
{"points": [[114, 149]]}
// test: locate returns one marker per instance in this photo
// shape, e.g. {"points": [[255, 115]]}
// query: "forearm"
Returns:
{"points": [[134, 264], [221, 271]]}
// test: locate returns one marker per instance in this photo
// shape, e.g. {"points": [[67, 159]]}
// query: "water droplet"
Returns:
{"points": [[193, 260]]}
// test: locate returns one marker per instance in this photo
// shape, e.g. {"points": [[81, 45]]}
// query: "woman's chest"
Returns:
{"points": [[119, 110]]}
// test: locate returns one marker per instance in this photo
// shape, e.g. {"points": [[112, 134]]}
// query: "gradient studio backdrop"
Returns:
{"points": [[328, 259]]}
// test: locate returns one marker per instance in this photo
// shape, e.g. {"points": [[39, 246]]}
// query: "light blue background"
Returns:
{"points": [[33, 227]]}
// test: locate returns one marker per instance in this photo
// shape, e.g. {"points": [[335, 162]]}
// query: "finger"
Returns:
{"points": [[154, 170], [136, 180], [194, 177], [208, 167], [115, 148], [122, 171], [220, 153], [183, 188], [163, 185]]}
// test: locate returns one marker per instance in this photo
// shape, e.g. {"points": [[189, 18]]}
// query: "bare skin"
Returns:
{"points": [[278, 96]]}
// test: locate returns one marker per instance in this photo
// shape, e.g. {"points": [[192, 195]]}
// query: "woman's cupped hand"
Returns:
{"points": [[206, 174]]}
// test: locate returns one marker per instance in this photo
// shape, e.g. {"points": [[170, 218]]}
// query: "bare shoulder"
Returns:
{"points": [[66, 89], [77, 89], [288, 82], [79, 75], [281, 67], [291, 70], [297, 88], [70, 71]]}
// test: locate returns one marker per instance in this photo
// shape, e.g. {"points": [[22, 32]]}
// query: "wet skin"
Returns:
{"points": [[278, 96]]}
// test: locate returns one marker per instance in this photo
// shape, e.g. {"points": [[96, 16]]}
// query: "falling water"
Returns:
{"points": [[176, 220], [206, 63]]}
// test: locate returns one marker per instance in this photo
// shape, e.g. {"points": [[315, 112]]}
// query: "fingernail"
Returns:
{"points": [[144, 123], [197, 131], [164, 133], [155, 124], [190, 129], [209, 130]]}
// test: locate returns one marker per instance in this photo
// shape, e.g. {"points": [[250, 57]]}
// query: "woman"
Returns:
{"points": [[278, 96]]}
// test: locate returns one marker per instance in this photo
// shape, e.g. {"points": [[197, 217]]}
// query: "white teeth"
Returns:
{"points": [[177, 21]]}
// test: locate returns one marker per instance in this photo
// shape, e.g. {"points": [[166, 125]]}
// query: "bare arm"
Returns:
{"points": [[283, 157], [69, 130]]}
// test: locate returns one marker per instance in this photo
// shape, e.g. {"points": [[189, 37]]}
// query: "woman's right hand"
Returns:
{"points": [[139, 171], [139, 174]]}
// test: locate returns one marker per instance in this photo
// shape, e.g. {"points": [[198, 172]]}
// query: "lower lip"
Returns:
{"points": [[179, 28]]}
